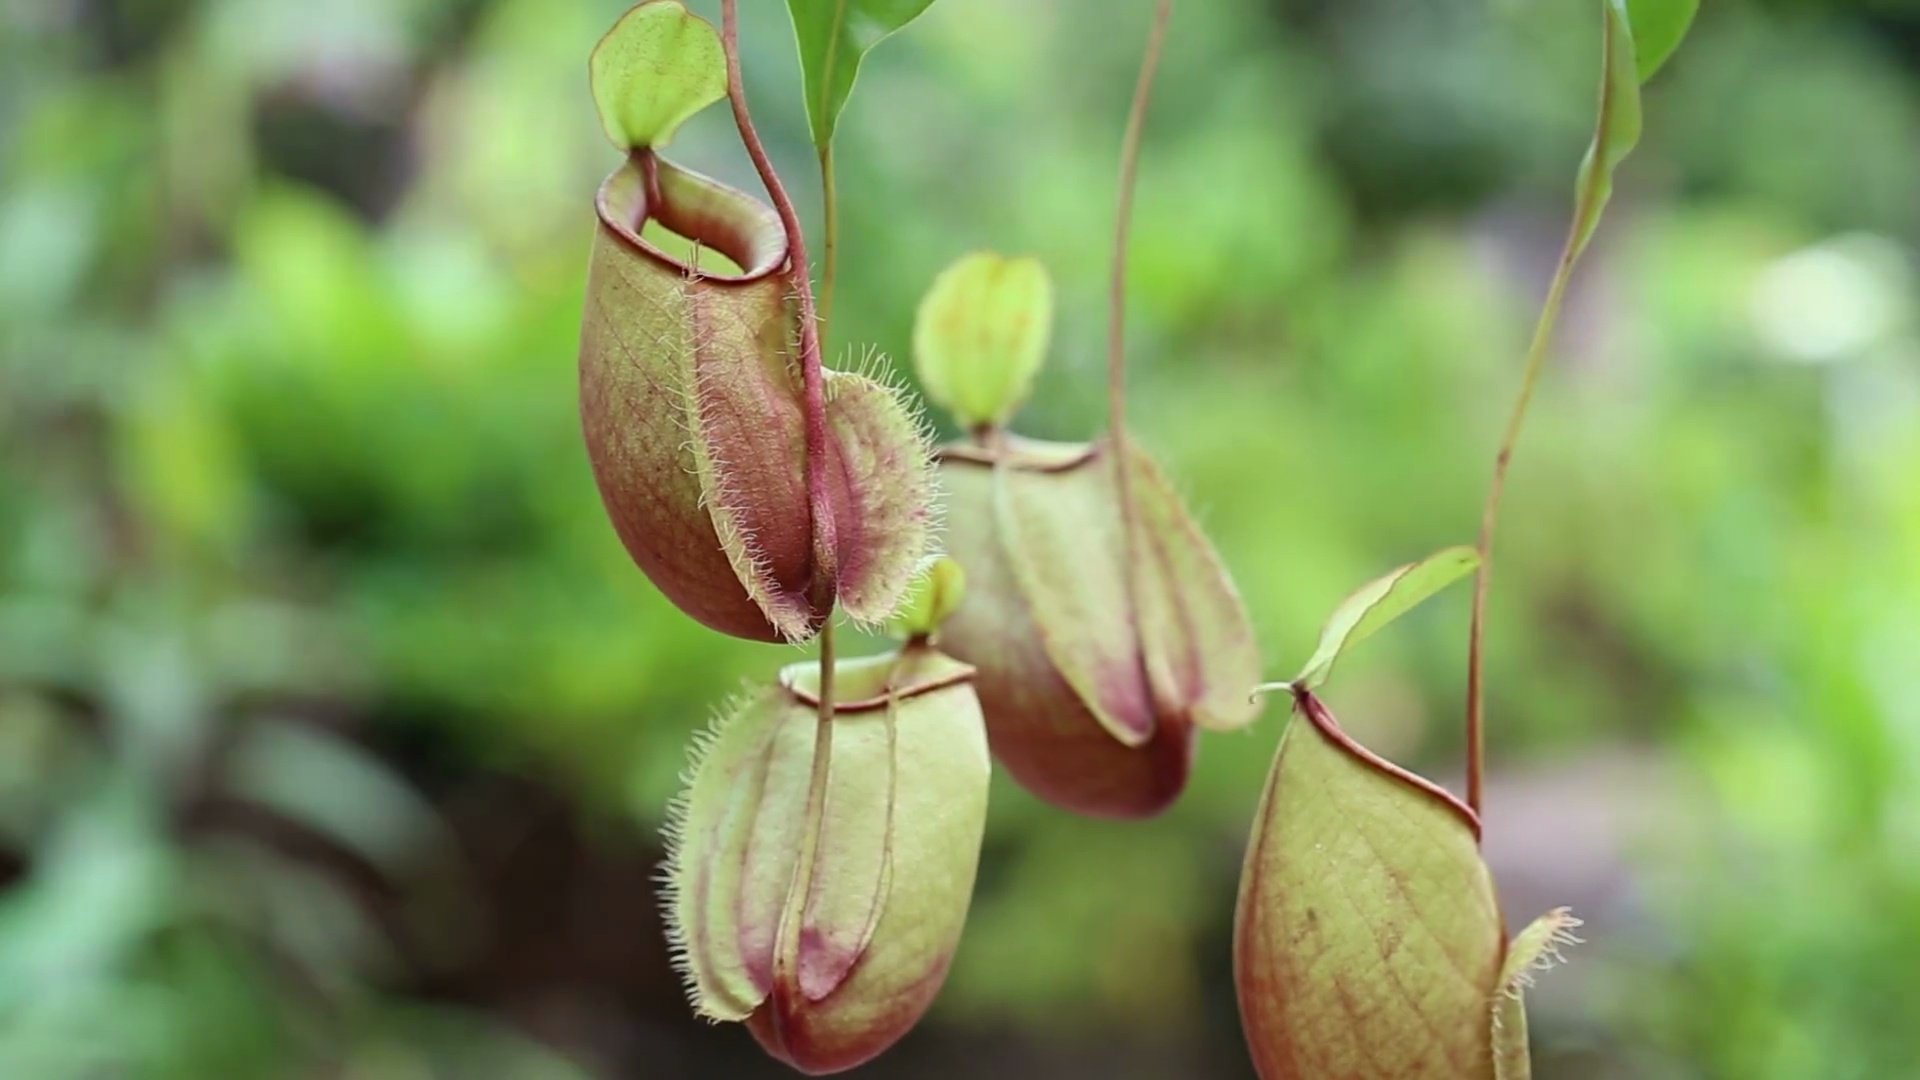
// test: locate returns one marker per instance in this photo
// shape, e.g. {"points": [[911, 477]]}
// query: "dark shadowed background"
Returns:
{"points": [[336, 727]]}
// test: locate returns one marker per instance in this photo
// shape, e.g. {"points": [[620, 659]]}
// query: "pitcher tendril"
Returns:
{"points": [[1122, 233], [830, 236], [787, 950], [1616, 132], [1490, 522], [812, 376], [1123, 223]]}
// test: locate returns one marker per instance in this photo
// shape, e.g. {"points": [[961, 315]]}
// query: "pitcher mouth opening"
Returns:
{"points": [[702, 211], [1023, 454]]}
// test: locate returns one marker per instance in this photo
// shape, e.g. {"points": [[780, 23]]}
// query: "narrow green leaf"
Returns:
{"points": [[1616, 129], [1381, 601], [659, 65], [1536, 949], [1367, 940], [834, 36], [1637, 37], [1658, 26]]}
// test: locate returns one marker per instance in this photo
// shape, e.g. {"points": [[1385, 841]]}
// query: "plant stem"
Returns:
{"points": [[830, 229], [1590, 198], [1490, 519], [1117, 304], [812, 376], [816, 799], [1122, 228], [787, 948]]}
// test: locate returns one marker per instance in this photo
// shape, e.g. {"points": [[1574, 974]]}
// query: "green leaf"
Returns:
{"points": [[1637, 37], [658, 66], [834, 36], [1536, 949], [1616, 129], [1658, 26], [1367, 940], [1381, 601]]}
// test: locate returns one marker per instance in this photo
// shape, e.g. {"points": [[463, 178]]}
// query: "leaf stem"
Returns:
{"points": [[1123, 225], [830, 230], [812, 376], [1490, 517], [1590, 198], [1117, 303], [825, 570], [787, 942]]}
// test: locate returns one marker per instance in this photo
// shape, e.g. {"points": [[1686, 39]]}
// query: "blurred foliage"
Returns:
{"points": [[310, 622]]}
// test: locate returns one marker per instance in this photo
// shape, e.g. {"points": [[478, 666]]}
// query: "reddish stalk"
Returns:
{"points": [[830, 229], [1117, 296], [787, 949], [1588, 203], [811, 373], [1490, 525], [1122, 229]]}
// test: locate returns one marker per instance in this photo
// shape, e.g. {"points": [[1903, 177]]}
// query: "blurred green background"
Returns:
{"points": [[336, 727]]}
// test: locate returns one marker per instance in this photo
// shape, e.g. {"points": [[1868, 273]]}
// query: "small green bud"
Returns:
{"points": [[658, 65], [930, 599], [981, 334]]}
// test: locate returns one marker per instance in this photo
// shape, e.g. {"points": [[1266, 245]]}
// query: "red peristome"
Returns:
{"points": [[1311, 707]]}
